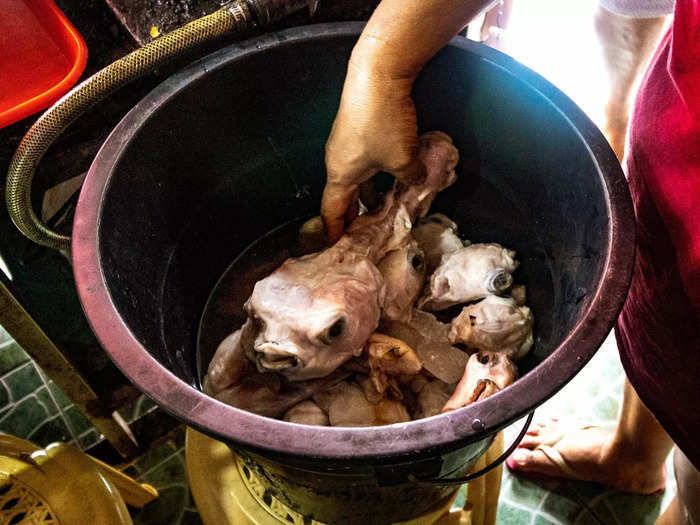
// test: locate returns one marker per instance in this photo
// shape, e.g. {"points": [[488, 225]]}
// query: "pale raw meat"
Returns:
{"points": [[496, 324], [519, 294], [436, 235], [404, 273], [469, 274], [432, 398], [340, 337], [486, 373], [349, 407], [428, 337], [389, 357], [316, 312], [306, 413]]}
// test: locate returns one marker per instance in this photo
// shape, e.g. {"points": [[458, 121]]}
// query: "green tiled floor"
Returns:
{"points": [[592, 397], [32, 407]]}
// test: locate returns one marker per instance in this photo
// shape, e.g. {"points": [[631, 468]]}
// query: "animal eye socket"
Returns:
{"points": [[333, 331], [416, 261], [336, 328]]}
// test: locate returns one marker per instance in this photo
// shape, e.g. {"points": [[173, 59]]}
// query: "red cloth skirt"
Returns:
{"points": [[658, 331]]}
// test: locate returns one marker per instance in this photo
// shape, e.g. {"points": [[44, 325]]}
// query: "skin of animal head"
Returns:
{"points": [[404, 273], [436, 235], [469, 274], [496, 324], [314, 314], [485, 374]]}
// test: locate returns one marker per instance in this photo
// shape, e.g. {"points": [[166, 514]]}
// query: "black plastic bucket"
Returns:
{"points": [[233, 146]]}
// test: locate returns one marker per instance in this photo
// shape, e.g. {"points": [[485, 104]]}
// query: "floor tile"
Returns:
{"points": [[167, 509], [79, 424], [23, 381], [24, 418], [172, 470], [51, 431], [191, 517], [45, 398], [11, 355], [524, 492], [606, 409], [596, 513], [89, 438], [136, 409], [634, 509], [58, 395], [4, 395], [155, 456], [541, 520], [511, 515], [4, 337], [562, 505]]}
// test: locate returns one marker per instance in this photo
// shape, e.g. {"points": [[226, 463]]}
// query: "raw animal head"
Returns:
{"points": [[436, 235], [485, 374], [404, 274], [469, 274], [313, 314], [316, 312], [496, 324]]}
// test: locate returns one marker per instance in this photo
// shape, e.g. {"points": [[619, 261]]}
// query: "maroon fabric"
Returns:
{"points": [[658, 332]]}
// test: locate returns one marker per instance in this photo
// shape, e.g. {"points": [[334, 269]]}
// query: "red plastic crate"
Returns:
{"points": [[41, 57]]}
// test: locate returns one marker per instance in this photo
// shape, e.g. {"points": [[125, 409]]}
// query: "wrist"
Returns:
{"points": [[379, 59]]}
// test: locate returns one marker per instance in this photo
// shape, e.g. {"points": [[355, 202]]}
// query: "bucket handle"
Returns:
{"points": [[500, 459]]}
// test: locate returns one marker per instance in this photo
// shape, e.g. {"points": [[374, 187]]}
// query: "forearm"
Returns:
{"points": [[402, 35]]}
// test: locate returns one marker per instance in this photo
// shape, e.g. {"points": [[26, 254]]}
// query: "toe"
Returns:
{"points": [[533, 461], [530, 442]]}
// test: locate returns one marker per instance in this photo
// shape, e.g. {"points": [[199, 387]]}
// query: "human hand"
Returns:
{"points": [[375, 130]]}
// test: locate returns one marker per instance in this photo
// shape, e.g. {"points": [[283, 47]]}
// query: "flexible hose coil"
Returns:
{"points": [[58, 117]]}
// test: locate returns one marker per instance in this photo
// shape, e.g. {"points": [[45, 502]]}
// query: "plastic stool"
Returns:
{"points": [[227, 493], [60, 484]]}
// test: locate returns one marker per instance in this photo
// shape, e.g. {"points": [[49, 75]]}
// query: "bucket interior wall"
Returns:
{"points": [[236, 154]]}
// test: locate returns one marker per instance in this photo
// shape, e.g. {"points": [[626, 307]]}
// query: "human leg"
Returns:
{"points": [[495, 23], [627, 44], [685, 507], [630, 458]]}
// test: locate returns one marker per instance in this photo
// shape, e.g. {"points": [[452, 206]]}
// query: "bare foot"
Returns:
{"points": [[592, 456]]}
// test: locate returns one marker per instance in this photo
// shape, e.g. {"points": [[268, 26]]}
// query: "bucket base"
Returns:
{"points": [[226, 492]]}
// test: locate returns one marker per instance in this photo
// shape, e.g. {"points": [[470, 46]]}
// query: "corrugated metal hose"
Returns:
{"points": [[236, 17]]}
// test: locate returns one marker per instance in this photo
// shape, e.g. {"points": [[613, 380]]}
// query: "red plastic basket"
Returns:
{"points": [[41, 57]]}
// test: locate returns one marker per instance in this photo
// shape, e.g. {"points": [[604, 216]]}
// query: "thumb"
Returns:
{"points": [[413, 173], [334, 204]]}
